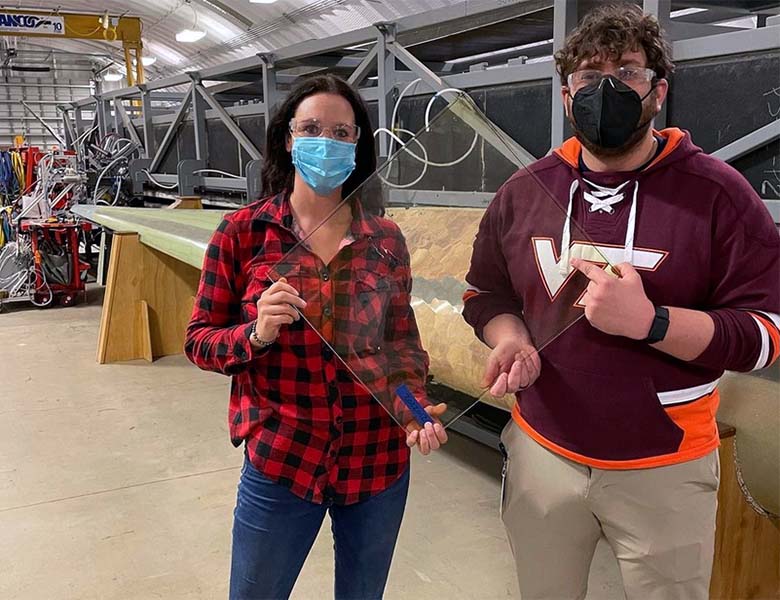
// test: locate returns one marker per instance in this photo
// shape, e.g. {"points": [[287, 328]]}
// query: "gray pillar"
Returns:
{"points": [[271, 94], [146, 112], [385, 61], [662, 10], [564, 20], [199, 126], [118, 125]]}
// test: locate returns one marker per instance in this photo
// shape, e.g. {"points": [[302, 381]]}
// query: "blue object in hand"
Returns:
{"points": [[418, 412]]}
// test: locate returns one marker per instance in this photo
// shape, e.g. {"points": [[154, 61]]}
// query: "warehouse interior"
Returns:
{"points": [[128, 130]]}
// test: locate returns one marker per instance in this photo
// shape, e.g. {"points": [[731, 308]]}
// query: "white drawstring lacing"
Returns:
{"points": [[600, 198]]}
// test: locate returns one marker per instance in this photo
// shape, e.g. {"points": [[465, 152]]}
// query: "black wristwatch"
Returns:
{"points": [[659, 327]]}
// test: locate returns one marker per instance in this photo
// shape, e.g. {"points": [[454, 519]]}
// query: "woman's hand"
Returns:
{"points": [[513, 365], [276, 307], [430, 437]]}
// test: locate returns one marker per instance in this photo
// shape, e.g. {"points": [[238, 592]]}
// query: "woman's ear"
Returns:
{"points": [[288, 144]]}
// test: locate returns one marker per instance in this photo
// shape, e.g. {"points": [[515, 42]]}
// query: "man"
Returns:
{"points": [[613, 432]]}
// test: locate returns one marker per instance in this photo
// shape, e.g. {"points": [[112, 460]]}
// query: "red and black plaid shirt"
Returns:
{"points": [[307, 424]]}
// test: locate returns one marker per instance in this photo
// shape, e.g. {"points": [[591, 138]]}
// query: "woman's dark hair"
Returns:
{"points": [[278, 171]]}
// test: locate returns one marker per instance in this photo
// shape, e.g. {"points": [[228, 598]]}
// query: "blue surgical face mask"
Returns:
{"points": [[323, 163]]}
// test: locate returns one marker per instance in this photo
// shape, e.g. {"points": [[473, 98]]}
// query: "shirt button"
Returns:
{"points": [[326, 311], [339, 420], [325, 275], [327, 353]]}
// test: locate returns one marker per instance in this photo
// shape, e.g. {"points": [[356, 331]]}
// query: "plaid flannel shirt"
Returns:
{"points": [[306, 422]]}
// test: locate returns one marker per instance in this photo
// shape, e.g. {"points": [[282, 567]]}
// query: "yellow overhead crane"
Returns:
{"points": [[80, 26]]}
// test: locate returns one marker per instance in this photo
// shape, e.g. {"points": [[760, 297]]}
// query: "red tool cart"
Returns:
{"points": [[58, 268]]}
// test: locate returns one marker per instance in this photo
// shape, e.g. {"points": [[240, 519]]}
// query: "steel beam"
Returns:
{"points": [[662, 10], [117, 118], [747, 143], [564, 20], [364, 68], [232, 126], [79, 121], [385, 61], [455, 18], [146, 121], [199, 126], [251, 109], [738, 42], [491, 133], [125, 119], [170, 133], [67, 124], [102, 118], [413, 197], [271, 95], [44, 123], [476, 79]]}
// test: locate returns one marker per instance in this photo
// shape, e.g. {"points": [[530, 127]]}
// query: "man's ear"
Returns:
{"points": [[661, 91], [566, 100]]}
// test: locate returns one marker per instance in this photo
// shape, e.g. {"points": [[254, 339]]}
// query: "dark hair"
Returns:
{"points": [[278, 171], [610, 30]]}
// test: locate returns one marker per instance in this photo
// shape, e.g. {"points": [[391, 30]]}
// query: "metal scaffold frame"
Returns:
{"points": [[384, 47]]}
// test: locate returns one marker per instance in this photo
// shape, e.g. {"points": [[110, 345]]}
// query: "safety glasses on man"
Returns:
{"points": [[634, 77]]}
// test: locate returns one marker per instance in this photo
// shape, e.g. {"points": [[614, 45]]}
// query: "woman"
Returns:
{"points": [[315, 440]]}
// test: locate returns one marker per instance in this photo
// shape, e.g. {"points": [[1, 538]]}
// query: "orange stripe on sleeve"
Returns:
{"points": [[774, 335]]}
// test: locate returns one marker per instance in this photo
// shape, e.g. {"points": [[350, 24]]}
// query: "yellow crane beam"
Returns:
{"points": [[80, 26]]}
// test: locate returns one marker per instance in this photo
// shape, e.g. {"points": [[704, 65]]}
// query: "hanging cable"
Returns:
{"points": [[225, 173], [165, 186], [404, 145]]}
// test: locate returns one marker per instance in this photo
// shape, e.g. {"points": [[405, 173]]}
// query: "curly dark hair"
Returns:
{"points": [[609, 31], [278, 171]]}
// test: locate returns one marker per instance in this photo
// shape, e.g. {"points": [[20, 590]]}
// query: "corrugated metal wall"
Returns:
{"points": [[42, 92]]}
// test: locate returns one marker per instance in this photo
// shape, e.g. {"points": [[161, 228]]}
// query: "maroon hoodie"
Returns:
{"points": [[700, 238]]}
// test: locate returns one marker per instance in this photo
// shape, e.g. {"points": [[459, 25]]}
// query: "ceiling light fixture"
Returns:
{"points": [[146, 61], [188, 36], [112, 76], [262, 1]]}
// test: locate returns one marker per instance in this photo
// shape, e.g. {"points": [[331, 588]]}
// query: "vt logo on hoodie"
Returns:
{"points": [[556, 272]]}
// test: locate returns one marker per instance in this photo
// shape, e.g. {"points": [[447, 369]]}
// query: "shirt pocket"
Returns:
{"points": [[262, 275], [368, 299]]}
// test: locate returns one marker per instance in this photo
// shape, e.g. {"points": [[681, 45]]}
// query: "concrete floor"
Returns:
{"points": [[118, 482]]}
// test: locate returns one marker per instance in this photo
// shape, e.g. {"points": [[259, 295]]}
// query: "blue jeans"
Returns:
{"points": [[274, 530]]}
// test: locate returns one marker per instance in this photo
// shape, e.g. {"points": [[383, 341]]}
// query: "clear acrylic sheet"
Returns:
{"points": [[458, 157]]}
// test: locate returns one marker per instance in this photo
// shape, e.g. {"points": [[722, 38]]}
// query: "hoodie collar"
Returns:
{"points": [[570, 150]]}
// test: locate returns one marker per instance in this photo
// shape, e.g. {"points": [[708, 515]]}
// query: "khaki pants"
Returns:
{"points": [[659, 522]]}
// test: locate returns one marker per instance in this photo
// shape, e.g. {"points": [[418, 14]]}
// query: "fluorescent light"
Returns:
{"points": [[218, 29], [146, 61], [262, 1], [683, 12], [190, 35], [165, 53], [112, 76]]}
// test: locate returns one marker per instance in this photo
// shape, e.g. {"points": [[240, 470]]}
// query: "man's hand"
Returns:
{"points": [[617, 306], [430, 437], [512, 365]]}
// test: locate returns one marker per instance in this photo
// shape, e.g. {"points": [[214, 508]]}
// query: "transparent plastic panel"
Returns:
{"points": [[385, 307]]}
